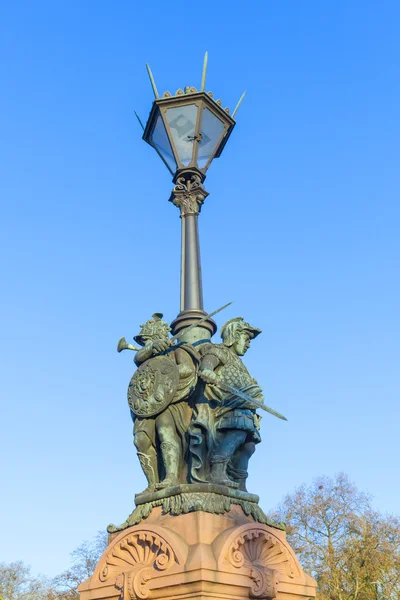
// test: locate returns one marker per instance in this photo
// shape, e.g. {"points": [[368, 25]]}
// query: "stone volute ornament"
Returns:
{"points": [[196, 531]]}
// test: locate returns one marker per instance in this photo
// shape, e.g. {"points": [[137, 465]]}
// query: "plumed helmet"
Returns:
{"points": [[154, 329]]}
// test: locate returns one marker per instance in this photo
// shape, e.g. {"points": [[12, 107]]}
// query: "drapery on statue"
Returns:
{"points": [[157, 396], [190, 405]]}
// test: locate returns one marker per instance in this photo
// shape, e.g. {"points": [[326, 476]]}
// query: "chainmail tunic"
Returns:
{"points": [[231, 371]]}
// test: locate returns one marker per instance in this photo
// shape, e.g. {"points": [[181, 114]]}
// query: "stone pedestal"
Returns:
{"points": [[199, 555]]}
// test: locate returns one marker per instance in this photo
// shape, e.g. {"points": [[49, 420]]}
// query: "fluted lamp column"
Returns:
{"points": [[188, 130], [188, 195]]}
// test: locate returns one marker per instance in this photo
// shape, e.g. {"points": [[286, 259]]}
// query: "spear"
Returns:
{"points": [[123, 344], [248, 400]]}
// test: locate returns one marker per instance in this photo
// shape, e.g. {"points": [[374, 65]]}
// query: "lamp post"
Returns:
{"points": [[188, 130]]}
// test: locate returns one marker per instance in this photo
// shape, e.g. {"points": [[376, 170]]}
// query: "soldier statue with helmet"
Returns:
{"points": [[229, 389], [194, 406], [157, 396]]}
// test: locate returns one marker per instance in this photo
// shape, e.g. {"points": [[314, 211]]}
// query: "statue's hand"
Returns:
{"points": [[160, 346], [208, 376]]}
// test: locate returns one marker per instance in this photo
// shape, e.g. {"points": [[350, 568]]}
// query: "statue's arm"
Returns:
{"points": [[207, 367], [144, 353], [185, 362], [151, 348]]}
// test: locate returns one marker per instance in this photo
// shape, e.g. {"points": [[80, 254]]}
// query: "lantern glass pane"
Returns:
{"points": [[211, 129], [182, 122], [159, 139]]}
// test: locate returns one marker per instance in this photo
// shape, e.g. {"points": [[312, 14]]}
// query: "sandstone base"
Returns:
{"points": [[199, 555]]}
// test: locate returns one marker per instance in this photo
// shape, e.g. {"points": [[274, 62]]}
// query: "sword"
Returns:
{"points": [[123, 344], [256, 403]]}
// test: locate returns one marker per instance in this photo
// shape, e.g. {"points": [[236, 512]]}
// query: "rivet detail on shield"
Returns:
{"points": [[153, 386]]}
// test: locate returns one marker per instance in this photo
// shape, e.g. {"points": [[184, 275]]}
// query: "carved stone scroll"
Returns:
{"points": [[262, 556], [139, 549], [258, 547]]}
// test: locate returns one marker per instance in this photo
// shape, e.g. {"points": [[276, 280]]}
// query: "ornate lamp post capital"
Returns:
{"points": [[188, 194]]}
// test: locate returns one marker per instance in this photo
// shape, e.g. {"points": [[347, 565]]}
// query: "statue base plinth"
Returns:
{"points": [[192, 497], [199, 555]]}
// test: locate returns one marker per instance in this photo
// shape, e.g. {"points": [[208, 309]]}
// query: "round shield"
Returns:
{"points": [[153, 386]]}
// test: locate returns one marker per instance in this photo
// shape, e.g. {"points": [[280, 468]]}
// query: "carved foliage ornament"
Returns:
{"points": [[140, 556], [264, 556], [188, 195]]}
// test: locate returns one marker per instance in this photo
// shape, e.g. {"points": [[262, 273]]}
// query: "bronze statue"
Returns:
{"points": [[157, 396], [236, 422], [176, 416], [194, 405]]}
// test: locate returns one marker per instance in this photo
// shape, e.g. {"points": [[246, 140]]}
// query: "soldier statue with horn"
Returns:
{"points": [[157, 396]]}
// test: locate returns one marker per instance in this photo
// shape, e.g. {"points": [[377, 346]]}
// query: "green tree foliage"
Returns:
{"points": [[351, 550]]}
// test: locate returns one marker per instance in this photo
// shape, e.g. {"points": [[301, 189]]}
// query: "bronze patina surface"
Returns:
{"points": [[193, 401]]}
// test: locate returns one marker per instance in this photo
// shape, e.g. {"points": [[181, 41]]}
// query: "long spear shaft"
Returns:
{"points": [[185, 331], [256, 403], [123, 344]]}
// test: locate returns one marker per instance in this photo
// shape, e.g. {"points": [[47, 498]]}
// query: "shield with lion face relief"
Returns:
{"points": [[153, 386]]}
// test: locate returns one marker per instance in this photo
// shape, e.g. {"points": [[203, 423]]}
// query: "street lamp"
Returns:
{"points": [[188, 130]]}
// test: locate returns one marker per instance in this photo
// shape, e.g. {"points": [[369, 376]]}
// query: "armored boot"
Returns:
{"points": [[218, 473], [239, 477], [148, 462], [171, 455]]}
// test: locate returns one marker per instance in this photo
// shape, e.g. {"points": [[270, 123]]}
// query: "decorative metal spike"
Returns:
{"points": [[238, 104], [204, 73], [138, 118], [153, 83]]}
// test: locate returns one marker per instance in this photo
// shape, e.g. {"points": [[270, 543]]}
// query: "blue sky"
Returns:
{"points": [[300, 230]]}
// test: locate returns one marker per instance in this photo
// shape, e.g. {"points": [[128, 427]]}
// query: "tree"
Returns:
{"points": [[84, 561], [351, 550], [17, 583]]}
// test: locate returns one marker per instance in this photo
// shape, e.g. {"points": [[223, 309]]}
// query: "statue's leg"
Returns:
{"points": [[228, 441], [170, 449], [148, 458], [238, 466]]}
